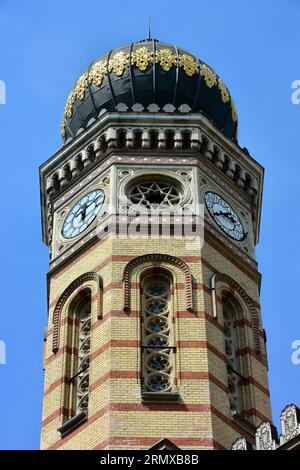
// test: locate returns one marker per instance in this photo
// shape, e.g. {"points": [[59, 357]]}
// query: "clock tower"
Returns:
{"points": [[151, 213]]}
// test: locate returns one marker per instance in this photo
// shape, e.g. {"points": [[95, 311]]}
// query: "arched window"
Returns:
{"points": [[80, 302], [78, 362], [157, 335], [82, 356], [234, 370]]}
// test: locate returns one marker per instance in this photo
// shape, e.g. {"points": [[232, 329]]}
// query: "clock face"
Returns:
{"points": [[224, 216], [83, 213]]}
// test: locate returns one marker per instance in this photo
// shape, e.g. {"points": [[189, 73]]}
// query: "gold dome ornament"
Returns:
{"points": [[80, 87], [166, 59], [68, 112], [78, 93], [224, 92], [189, 65], [118, 63], [141, 58], [233, 111], [208, 75], [97, 73], [155, 60]]}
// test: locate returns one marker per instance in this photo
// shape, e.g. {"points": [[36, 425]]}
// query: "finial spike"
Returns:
{"points": [[149, 29]]}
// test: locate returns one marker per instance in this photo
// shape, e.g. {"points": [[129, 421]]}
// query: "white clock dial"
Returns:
{"points": [[224, 216], [83, 213]]}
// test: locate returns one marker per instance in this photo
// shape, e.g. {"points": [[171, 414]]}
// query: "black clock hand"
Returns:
{"points": [[95, 201], [219, 213], [82, 210], [83, 213], [225, 214], [231, 217]]}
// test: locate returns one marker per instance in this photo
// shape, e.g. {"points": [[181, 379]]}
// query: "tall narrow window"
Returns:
{"points": [[76, 392], [80, 363], [235, 379], [83, 362], [157, 336]]}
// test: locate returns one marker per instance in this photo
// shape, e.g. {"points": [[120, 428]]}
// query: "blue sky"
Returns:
{"points": [[253, 46]]}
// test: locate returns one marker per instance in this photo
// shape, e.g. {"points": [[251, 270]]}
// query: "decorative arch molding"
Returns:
{"points": [[221, 277], [157, 258], [79, 281]]}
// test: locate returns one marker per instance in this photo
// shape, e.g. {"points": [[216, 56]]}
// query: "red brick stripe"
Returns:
{"points": [[148, 442], [136, 344], [131, 407], [179, 314], [135, 314], [251, 380], [114, 374], [125, 258], [245, 351], [164, 407], [186, 375], [59, 412], [112, 285], [254, 412], [116, 343], [232, 424], [60, 352], [125, 374], [181, 344], [57, 383], [218, 383]]}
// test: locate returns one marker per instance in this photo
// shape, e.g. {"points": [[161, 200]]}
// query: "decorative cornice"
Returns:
{"points": [[96, 145], [214, 236]]}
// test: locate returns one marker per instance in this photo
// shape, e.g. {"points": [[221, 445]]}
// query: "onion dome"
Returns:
{"points": [[148, 72]]}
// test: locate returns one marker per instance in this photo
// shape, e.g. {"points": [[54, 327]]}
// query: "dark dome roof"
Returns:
{"points": [[149, 72]]}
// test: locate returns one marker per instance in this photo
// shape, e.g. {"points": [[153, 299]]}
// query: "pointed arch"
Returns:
{"points": [[76, 284], [164, 444], [157, 258], [219, 277]]}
